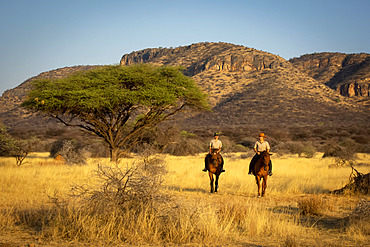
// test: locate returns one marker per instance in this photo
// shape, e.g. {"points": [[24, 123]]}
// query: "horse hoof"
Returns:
{"points": [[258, 196]]}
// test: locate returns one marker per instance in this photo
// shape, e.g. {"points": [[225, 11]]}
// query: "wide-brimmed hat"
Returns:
{"points": [[216, 134], [262, 135]]}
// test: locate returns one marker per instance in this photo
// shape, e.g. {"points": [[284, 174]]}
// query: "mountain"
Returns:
{"points": [[346, 73], [252, 87], [249, 91]]}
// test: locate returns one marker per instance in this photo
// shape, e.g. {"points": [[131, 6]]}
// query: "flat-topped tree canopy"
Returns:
{"points": [[116, 102]]}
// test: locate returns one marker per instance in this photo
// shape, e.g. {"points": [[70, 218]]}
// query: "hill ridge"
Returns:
{"points": [[348, 74], [247, 88]]}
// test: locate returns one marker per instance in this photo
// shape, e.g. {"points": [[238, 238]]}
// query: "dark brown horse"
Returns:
{"points": [[260, 171], [213, 164]]}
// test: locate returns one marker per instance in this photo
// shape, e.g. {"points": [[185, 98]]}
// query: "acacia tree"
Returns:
{"points": [[117, 103]]}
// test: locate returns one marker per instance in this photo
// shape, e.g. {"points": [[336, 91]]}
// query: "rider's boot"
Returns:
{"points": [[222, 165]]}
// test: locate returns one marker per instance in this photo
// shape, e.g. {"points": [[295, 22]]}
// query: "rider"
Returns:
{"points": [[260, 146], [215, 146]]}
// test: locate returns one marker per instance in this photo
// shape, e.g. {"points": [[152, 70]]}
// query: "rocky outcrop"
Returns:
{"points": [[200, 57], [353, 80], [355, 89], [348, 74]]}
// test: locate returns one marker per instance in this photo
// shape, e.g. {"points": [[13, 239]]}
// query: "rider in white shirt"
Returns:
{"points": [[260, 146], [215, 146]]}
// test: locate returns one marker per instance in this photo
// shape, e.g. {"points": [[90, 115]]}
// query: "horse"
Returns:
{"points": [[260, 171], [213, 164]]}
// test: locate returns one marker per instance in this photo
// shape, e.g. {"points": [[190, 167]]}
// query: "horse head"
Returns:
{"points": [[265, 156], [214, 158]]}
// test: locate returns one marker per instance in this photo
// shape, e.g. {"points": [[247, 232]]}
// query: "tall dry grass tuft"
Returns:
{"points": [[252, 218], [77, 221], [312, 205], [358, 224]]}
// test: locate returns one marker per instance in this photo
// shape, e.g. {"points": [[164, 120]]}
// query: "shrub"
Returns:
{"points": [[19, 149], [344, 152], [71, 151], [309, 150], [123, 204], [7, 143], [301, 133], [248, 142], [312, 205], [186, 134], [22, 149], [297, 147], [124, 187], [185, 146]]}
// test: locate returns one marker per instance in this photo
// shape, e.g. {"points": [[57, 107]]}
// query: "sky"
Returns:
{"points": [[42, 35]]}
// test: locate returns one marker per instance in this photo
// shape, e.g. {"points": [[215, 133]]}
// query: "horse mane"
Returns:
{"points": [[260, 162]]}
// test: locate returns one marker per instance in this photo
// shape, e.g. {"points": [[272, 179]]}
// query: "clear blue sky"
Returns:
{"points": [[41, 35]]}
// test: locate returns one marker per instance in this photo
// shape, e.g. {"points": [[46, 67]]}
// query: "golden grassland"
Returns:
{"points": [[31, 213]]}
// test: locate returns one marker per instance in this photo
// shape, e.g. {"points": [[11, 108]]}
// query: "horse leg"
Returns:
{"points": [[211, 179], [258, 186], [216, 183], [264, 185]]}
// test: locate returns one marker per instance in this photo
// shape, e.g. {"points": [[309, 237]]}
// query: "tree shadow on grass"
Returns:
{"points": [[286, 210], [178, 188], [324, 222]]}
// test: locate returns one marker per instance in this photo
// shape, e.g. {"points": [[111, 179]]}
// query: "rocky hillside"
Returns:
{"points": [[248, 86], [249, 90], [200, 57], [12, 115], [348, 74]]}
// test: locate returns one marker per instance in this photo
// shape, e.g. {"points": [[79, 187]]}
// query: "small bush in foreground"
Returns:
{"points": [[312, 205], [358, 222]]}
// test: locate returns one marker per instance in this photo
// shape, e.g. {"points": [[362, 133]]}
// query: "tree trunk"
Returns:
{"points": [[114, 154]]}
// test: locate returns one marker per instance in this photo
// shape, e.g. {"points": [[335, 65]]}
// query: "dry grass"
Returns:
{"points": [[35, 206]]}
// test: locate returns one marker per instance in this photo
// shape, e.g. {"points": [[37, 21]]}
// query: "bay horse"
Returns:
{"points": [[260, 171], [213, 164]]}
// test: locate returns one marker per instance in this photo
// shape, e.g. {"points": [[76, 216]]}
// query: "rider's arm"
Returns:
{"points": [[255, 148]]}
